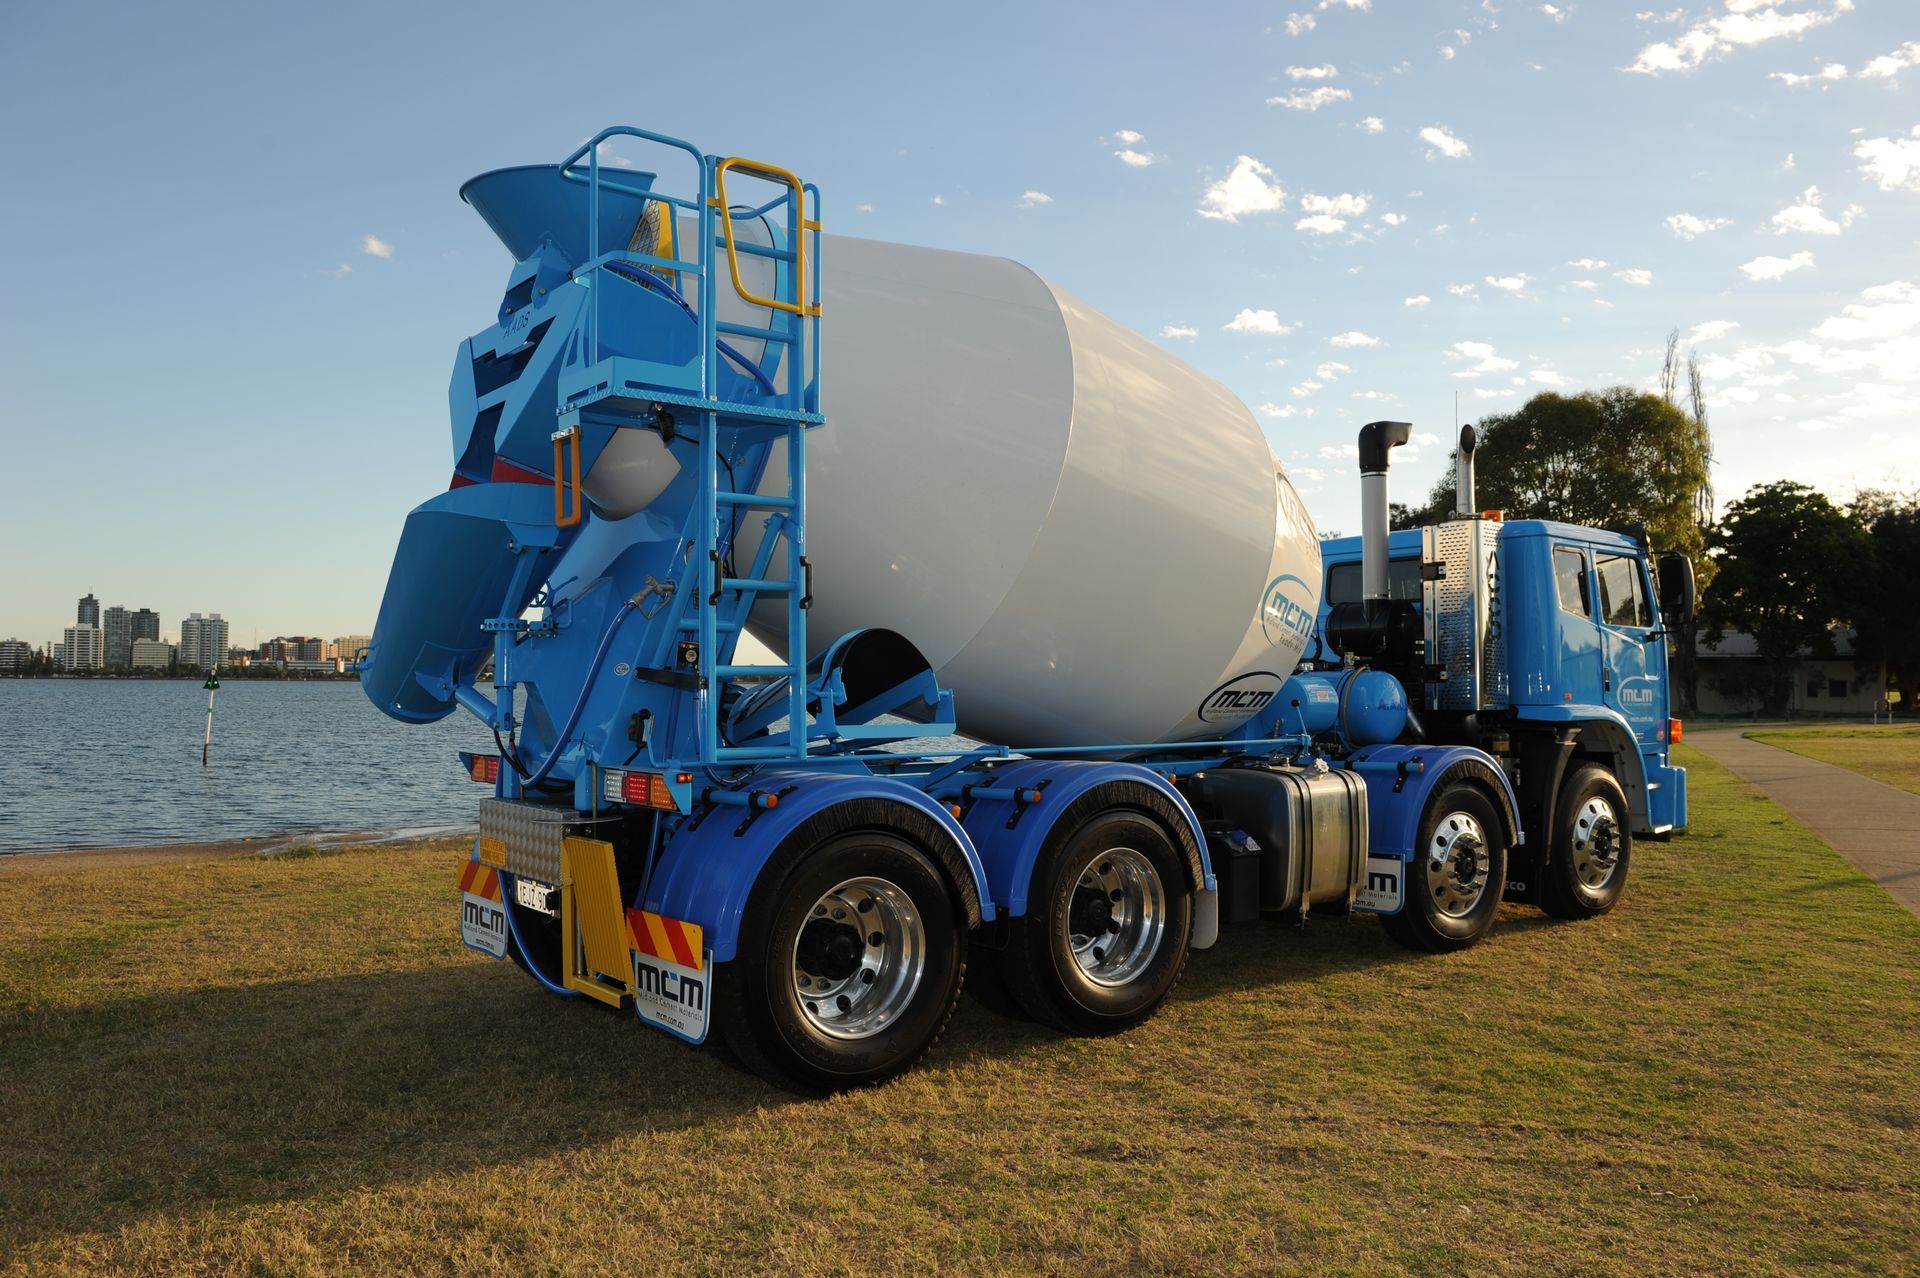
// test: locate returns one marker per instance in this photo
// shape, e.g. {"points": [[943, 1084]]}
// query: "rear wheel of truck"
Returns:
{"points": [[1104, 938], [849, 963], [1592, 842], [1458, 872]]}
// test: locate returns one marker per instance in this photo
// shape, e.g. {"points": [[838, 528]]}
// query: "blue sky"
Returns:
{"points": [[239, 268]]}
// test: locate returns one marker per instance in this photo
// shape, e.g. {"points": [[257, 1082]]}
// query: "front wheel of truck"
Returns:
{"points": [[1592, 844], [848, 966]]}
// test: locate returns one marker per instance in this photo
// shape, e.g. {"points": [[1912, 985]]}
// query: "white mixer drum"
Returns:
{"points": [[1090, 541]]}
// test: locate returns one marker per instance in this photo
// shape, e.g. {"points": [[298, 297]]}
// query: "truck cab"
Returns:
{"points": [[1542, 643]]}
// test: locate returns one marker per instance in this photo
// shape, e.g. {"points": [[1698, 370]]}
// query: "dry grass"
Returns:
{"points": [[1889, 753], [289, 1067]]}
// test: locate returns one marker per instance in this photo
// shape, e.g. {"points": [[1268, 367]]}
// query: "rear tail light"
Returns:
{"points": [[1673, 731], [641, 789], [482, 767]]}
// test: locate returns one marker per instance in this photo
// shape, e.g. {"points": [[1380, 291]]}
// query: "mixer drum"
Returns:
{"points": [[1090, 541]]}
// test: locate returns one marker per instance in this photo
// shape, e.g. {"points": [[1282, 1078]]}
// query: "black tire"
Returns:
{"points": [[1040, 965], [760, 1008], [1439, 913], [1592, 844]]}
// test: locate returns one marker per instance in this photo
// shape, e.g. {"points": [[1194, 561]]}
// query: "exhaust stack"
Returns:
{"points": [[1377, 440], [1463, 474]]}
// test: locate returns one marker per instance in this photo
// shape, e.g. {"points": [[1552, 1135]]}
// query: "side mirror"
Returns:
{"points": [[1676, 590]]}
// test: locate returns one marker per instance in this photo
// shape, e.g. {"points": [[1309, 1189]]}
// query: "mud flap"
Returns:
{"points": [[483, 921]]}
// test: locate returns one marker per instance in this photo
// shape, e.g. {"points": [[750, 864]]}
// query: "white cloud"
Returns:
{"points": [[1547, 377], [1352, 338], [1889, 310], [1127, 137], [1746, 22], [1772, 268], [1325, 71], [374, 246], [939, 199], [1305, 389], [341, 271], [1276, 410], [1892, 163], [1393, 219], [1133, 159], [1311, 99], [1312, 474], [1687, 226], [1342, 205], [1331, 371], [1463, 290], [1484, 357], [1808, 218], [1320, 224], [1555, 12], [1179, 330], [1248, 188], [1586, 284], [1636, 276], [1032, 199], [1831, 71], [1300, 23], [1711, 329], [863, 208], [1588, 264], [1888, 65], [1418, 300], [1447, 53], [1484, 393], [1443, 142], [1373, 124], [1361, 5], [1512, 285], [1786, 165], [1252, 321]]}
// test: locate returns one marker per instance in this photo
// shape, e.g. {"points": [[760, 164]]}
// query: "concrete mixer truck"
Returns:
{"points": [[1051, 677]]}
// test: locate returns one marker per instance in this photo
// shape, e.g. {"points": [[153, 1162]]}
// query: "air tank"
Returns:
{"points": [[1090, 541]]}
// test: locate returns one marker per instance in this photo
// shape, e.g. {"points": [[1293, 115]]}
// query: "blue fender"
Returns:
{"points": [[1607, 731], [708, 868], [1009, 847], [1396, 797]]}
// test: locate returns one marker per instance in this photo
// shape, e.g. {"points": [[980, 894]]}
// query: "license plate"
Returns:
{"points": [[533, 896]]}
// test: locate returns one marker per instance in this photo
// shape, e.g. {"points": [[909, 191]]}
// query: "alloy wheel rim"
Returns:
{"points": [[1457, 862], [859, 958], [1596, 843], [1116, 917]]}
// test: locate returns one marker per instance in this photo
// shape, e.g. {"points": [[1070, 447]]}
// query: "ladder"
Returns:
{"points": [[711, 595]]}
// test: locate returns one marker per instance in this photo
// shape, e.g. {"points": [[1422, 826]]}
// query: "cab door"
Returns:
{"points": [[1633, 673]]}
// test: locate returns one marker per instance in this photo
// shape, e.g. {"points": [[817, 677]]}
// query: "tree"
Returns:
{"points": [[1787, 563], [1597, 458], [1886, 611]]}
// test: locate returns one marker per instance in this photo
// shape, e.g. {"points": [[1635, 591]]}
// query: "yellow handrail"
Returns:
{"points": [[562, 516], [801, 227]]}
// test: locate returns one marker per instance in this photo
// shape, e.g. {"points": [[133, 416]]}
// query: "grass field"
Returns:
{"points": [[290, 1067], [1889, 753]]}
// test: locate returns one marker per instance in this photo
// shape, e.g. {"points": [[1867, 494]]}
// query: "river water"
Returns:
{"points": [[116, 762]]}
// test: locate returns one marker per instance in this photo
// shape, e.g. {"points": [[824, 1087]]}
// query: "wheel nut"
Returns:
{"points": [[839, 913]]}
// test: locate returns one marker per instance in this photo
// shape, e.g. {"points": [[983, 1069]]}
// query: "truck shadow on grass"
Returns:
{"points": [[116, 1111]]}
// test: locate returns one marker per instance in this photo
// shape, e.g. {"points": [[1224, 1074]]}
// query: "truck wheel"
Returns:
{"points": [[1456, 878], [1592, 843], [1105, 934], [848, 965]]}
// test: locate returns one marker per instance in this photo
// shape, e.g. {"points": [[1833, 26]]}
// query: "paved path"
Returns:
{"points": [[1872, 824]]}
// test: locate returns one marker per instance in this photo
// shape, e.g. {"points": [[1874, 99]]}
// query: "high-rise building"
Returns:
{"points": [[146, 624], [15, 654], [89, 614], [80, 648], [152, 654], [116, 631], [347, 647], [203, 641]]}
